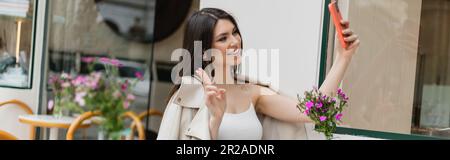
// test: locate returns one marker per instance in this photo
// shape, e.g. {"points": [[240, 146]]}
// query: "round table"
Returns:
{"points": [[51, 122]]}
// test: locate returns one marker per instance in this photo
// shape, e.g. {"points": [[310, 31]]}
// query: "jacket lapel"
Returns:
{"points": [[191, 95]]}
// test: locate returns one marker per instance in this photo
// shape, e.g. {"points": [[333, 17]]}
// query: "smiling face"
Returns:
{"points": [[228, 41]]}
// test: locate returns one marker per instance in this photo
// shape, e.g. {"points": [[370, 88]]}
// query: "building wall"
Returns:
{"points": [[293, 27], [9, 115]]}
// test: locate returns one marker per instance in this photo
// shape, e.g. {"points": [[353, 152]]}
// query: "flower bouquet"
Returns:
{"points": [[325, 111], [98, 91]]}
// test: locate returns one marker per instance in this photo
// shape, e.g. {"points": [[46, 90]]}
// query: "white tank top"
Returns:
{"points": [[242, 126]]}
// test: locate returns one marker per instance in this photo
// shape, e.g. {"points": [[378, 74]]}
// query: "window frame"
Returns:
{"points": [[32, 52], [327, 51]]}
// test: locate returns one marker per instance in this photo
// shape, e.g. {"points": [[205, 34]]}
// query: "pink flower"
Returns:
{"points": [[79, 80], [79, 98], [53, 80], [50, 105], [339, 117], [339, 91], [117, 94], [65, 85], [105, 60], [92, 85], [333, 100], [124, 86], [65, 76], [94, 80], [139, 75], [126, 104], [115, 62], [309, 105], [323, 118], [88, 59], [131, 97], [306, 112], [319, 105]]}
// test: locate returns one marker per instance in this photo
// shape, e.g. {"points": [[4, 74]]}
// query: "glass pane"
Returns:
{"points": [[117, 29], [432, 105], [399, 80], [16, 42]]}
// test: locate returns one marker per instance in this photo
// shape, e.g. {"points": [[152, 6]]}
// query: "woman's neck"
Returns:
{"points": [[223, 75]]}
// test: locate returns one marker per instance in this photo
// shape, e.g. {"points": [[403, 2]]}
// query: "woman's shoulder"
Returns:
{"points": [[257, 91]]}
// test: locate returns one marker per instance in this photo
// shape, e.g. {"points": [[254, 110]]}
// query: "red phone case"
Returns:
{"points": [[337, 18]]}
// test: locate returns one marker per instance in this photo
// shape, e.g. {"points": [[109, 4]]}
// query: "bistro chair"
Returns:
{"points": [[26, 109], [149, 113], [89, 115]]}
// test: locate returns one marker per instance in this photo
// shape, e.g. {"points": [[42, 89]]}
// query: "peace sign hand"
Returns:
{"points": [[215, 98]]}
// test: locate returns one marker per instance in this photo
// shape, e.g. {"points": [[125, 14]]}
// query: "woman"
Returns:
{"points": [[219, 110]]}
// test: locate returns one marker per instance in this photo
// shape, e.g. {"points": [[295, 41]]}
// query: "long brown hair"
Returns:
{"points": [[200, 27]]}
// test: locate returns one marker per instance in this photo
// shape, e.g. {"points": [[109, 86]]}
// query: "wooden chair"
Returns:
{"points": [[151, 112], [88, 115], [25, 108], [6, 136]]}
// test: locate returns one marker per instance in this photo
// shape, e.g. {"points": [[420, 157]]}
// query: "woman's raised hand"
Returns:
{"points": [[215, 98], [351, 38]]}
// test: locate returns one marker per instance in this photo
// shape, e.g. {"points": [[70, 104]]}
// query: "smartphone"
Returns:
{"points": [[337, 18]]}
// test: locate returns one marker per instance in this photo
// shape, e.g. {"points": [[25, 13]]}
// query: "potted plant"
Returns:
{"points": [[104, 91], [325, 111]]}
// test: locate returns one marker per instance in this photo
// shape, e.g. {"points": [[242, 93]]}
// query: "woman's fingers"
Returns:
{"points": [[211, 97], [351, 38], [345, 24], [347, 32], [211, 88], [222, 94], [204, 77], [354, 44]]}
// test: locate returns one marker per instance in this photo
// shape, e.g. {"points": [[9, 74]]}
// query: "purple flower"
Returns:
{"points": [[139, 75], [309, 105], [50, 105], [319, 105], [339, 91], [88, 59], [323, 118], [339, 117], [306, 112], [333, 100], [124, 86]]}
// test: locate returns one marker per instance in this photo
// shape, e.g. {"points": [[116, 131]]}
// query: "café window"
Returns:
{"points": [[120, 30], [399, 81], [16, 42]]}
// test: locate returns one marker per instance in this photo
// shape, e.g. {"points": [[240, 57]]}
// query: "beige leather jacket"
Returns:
{"points": [[187, 118]]}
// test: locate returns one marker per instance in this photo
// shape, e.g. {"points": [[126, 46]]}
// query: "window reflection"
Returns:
{"points": [[432, 105], [77, 29], [16, 27], [399, 80]]}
